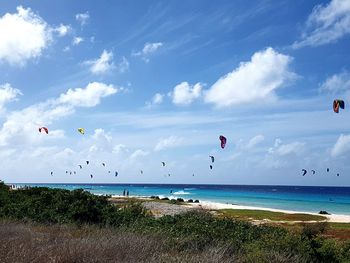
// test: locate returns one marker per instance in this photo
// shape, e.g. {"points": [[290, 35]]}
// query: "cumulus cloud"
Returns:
{"points": [[82, 18], [8, 94], [326, 24], [170, 142], [185, 94], [156, 100], [24, 36], [341, 146], [103, 64], [254, 141], [89, 96], [77, 40], [20, 126], [63, 30], [253, 81], [148, 49], [337, 83], [285, 149]]}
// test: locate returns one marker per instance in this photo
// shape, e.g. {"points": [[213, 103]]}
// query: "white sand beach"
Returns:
{"points": [[336, 218]]}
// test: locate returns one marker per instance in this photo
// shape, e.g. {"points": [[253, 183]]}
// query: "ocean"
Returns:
{"points": [[335, 200]]}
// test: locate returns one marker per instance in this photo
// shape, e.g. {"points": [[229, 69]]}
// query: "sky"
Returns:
{"points": [[160, 81]]}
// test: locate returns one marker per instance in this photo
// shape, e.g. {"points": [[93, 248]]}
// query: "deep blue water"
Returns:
{"points": [[298, 198]]}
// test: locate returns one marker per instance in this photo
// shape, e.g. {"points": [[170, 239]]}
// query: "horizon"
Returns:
{"points": [[154, 81]]}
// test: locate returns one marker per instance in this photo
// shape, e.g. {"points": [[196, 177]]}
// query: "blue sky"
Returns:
{"points": [[154, 81]]}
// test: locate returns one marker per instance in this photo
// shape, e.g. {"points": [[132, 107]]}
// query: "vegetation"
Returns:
{"points": [[88, 224], [262, 214]]}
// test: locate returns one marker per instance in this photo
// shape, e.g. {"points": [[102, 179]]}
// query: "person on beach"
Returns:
{"points": [[127, 193], [124, 192]]}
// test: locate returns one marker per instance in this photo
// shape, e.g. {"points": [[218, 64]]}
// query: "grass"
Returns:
{"points": [[30, 242], [245, 214]]}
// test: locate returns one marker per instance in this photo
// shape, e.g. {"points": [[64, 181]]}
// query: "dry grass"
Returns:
{"points": [[21, 242], [29, 242]]}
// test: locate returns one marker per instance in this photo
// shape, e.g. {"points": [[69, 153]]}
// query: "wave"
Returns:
{"points": [[189, 189], [181, 193]]}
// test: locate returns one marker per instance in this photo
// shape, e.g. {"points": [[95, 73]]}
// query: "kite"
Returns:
{"points": [[81, 130], [81, 167], [87, 162], [211, 167], [313, 171], [223, 141], [304, 171], [44, 129], [163, 163], [212, 158], [338, 104], [116, 173]]}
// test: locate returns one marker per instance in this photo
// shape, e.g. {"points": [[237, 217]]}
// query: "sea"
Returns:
{"points": [[335, 200]]}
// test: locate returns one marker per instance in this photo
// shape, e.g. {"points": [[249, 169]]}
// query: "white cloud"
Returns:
{"points": [[185, 94], [253, 81], [156, 100], [254, 141], [77, 40], [285, 149], [341, 146], [63, 30], [8, 94], [82, 18], [103, 64], [326, 24], [21, 126], [170, 142], [337, 83], [89, 96], [24, 35], [138, 153], [148, 49]]}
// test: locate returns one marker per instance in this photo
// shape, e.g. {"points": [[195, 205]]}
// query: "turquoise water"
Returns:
{"points": [[335, 200]]}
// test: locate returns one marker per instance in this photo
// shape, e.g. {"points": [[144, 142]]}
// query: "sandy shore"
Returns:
{"points": [[170, 209], [336, 218]]}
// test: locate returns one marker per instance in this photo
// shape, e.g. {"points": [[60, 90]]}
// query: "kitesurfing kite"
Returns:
{"points": [[313, 171], [141, 171], [91, 176], [44, 129], [87, 162], [116, 173], [223, 141], [104, 164], [338, 104], [212, 158], [211, 167], [81, 167], [163, 163], [327, 170], [81, 130], [304, 171], [51, 173]]}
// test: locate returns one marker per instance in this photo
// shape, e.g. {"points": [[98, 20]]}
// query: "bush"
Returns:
{"points": [[190, 200], [165, 199], [180, 200], [196, 201]]}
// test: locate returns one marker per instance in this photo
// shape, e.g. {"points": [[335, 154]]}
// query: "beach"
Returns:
{"points": [[161, 208]]}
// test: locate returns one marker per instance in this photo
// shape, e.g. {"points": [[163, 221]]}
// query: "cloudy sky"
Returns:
{"points": [[154, 81]]}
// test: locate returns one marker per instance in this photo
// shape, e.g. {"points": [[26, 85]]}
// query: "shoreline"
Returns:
{"points": [[210, 205]]}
